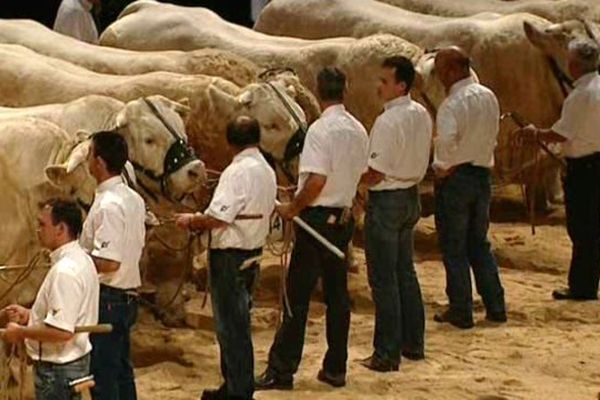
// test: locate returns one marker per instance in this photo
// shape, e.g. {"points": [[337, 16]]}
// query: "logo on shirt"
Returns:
{"points": [[224, 208], [374, 155], [104, 245], [54, 311]]}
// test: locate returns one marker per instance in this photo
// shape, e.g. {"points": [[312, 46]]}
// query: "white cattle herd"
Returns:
{"points": [[165, 75]]}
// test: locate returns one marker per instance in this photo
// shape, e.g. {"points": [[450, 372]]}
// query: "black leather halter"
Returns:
{"points": [[178, 155]]}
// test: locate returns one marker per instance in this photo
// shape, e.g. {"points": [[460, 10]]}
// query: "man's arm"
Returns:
{"points": [[42, 333], [105, 266], [199, 222], [371, 178], [313, 186]]}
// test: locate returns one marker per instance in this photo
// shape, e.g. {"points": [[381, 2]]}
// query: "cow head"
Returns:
{"points": [[273, 105], [72, 176], [553, 39], [154, 128]]}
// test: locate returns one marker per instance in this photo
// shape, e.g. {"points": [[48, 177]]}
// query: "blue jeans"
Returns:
{"points": [[231, 291], [399, 312], [111, 363], [52, 380], [462, 204]]}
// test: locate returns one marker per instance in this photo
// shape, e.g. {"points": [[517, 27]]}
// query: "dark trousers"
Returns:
{"points": [[582, 203], [231, 291], [399, 312], [309, 261], [52, 380], [111, 365], [462, 203]]}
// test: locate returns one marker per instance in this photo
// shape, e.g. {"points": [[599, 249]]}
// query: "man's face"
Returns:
{"points": [[47, 231], [388, 88], [94, 162]]}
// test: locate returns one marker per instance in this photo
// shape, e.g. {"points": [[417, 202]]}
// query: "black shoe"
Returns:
{"points": [[566, 294], [375, 363], [268, 380], [214, 394], [337, 381], [499, 317], [413, 355], [461, 322]]}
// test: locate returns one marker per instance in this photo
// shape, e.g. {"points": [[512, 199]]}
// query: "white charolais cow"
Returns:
{"points": [[360, 59]]}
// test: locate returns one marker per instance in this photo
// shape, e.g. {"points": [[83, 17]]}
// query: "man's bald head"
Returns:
{"points": [[452, 64], [243, 131]]}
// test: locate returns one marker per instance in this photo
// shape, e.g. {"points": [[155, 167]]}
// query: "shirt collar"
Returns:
{"points": [[59, 253], [461, 84], [398, 101], [86, 4], [249, 152], [334, 109], [585, 79], [109, 183]]}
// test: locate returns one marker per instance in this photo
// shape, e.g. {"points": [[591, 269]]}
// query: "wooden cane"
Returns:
{"points": [[83, 386], [101, 328]]}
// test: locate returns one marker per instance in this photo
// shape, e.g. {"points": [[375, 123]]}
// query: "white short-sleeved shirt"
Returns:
{"points": [[114, 230], [248, 186], [336, 146], [68, 298], [400, 143], [579, 122], [467, 126], [75, 19]]}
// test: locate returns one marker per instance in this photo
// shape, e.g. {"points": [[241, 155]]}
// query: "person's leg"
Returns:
{"points": [[48, 385], [286, 351], [382, 223], [412, 309], [73, 371], [127, 389], [582, 204], [453, 198], [106, 349], [485, 268], [231, 301]]}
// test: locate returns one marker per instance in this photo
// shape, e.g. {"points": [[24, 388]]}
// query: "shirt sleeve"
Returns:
{"points": [[108, 234], [446, 141], [386, 142], [229, 198], [315, 155], [568, 124], [64, 300]]}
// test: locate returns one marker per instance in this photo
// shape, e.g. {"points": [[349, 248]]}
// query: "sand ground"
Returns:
{"points": [[547, 350]]}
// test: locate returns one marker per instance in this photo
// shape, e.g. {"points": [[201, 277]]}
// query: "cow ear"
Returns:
{"points": [[245, 98], [121, 119], [59, 175], [532, 33], [223, 100], [182, 107]]}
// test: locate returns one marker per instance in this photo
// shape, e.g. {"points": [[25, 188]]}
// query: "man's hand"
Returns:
{"points": [[527, 135], [441, 173], [286, 210], [184, 221], [17, 314], [13, 333]]}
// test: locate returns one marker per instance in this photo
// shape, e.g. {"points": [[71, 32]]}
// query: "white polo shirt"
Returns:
{"points": [[579, 122], [114, 230], [399, 144], [74, 18], [336, 146], [467, 126], [68, 297], [248, 186]]}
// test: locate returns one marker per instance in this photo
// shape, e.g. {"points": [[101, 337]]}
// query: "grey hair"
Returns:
{"points": [[586, 52]]}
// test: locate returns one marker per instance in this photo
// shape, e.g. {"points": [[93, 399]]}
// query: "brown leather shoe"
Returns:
{"points": [[375, 363], [566, 294], [335, 380]]}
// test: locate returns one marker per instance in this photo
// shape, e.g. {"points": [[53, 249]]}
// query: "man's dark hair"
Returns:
{"points": [[404, 69], [112, 148], [243, 131], [331, 84], [67, 212]]}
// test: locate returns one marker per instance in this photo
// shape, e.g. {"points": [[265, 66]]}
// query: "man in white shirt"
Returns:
{"points": [[67, 298], [74, 18], [578, 129], [238, 219], [467, 128], [113, 234], [399, 148], [332, 160]]}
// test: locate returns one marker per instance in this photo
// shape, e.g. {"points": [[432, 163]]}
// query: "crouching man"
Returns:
{"points": [[67, 298], [238, 220]]}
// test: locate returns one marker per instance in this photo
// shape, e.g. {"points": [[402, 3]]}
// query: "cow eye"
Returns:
{"points": [[149, 141]]}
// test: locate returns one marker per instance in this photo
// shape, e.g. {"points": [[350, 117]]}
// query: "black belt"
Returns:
{"points": [[330, 215], [242, 252], [53, 364], [113, 291]]}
